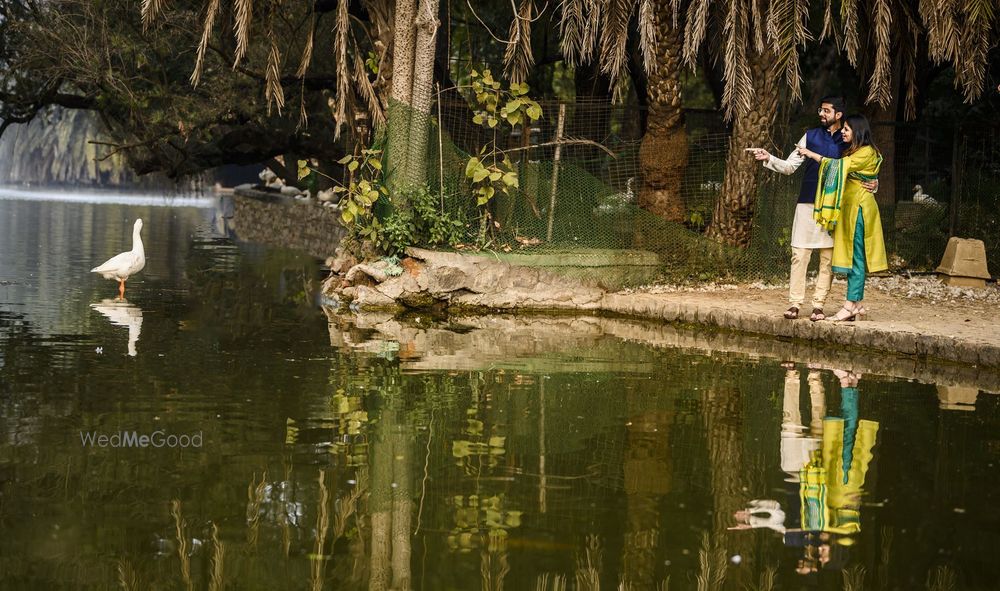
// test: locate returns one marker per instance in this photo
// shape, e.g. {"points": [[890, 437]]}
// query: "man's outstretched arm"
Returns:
{"points": [[788, 165]]}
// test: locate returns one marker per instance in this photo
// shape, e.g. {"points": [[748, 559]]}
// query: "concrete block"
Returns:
{"points": [[964, 263]]}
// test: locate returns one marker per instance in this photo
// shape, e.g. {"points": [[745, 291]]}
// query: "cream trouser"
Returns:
{"points": [[797, 280]]}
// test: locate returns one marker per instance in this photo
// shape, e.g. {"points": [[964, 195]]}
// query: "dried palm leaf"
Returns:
{"points": [[828, 30], [647, 34], [341, 65], [572, 30], [694, 30], [518, 58], [594, 15], [787, 30], [206, 34], [737, 96], [849, 21], [367, 91], [975, 45], [880, 84], [273, 91], [943, 40], [241, 28], [307, 51], [151, 10], [614, 41], [758, 25]]}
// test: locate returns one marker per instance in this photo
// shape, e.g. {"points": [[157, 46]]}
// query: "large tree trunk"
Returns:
{"points": [[421, 97], [663, 153], [732, 219], [401, 97]]}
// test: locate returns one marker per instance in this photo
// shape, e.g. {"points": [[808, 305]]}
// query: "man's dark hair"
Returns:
{"points": [[837, 102]]}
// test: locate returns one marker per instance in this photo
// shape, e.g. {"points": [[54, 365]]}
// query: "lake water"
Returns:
{"points": [[289, 447]]}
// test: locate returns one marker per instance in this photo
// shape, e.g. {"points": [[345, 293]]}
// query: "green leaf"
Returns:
{"points": [[510, 179], [474, 74], [347, 216], [534, 111], [352, 166], [478, 119], [376, 163], [479, 174], [345, 159], [495, 176], [513, 105], [471, 167], [492, 122]]}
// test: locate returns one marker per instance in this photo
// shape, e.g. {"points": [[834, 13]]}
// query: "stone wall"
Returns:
{"points": [[276, 220]]}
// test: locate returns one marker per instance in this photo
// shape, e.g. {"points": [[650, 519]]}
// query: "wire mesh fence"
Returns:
{"points": [[582, 198]]}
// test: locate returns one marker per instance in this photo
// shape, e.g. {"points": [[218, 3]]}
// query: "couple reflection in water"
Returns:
{"points": [[122, 313], [825, 460]]}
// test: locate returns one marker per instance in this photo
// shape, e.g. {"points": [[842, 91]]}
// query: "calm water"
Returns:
{"points": [[439, 454]]}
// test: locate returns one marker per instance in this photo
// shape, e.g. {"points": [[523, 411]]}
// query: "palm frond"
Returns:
{"points": [[241, 28], [206, 34], [572, 31], [367, 91], [518, 58], [614, 41], [151, 10], [694, 30], [880, 84], [273, 91], [758, 25], [970, 66], [787, 30], [341, 66], [307, 51], [828, 29], [849, 21], [737, 96], [647, 34], [939, 17]]}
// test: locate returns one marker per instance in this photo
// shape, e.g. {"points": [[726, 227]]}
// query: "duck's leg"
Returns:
{"points": [[121, 289]]}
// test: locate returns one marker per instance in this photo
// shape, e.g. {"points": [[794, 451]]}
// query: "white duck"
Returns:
{"points": [[920, 197], [124, 265]]}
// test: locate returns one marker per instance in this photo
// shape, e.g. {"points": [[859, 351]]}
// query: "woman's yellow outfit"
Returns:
{"points": [[844, 208]]}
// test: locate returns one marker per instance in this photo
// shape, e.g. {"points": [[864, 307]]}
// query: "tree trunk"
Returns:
{"points": [[398, 115], [663, 153], [421, 96], [732, 219]]}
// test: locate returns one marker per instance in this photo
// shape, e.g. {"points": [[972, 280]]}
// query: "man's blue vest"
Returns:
{"points": [[818, 140]]}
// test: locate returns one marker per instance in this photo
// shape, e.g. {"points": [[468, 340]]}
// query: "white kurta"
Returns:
{"points": [[806, 233]]}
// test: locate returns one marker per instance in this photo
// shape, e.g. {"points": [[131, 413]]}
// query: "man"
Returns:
{"points": [[808, 236]]}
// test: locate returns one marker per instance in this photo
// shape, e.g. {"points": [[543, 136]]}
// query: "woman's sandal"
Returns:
{"points": [[844, 315], [792, 313], [817, 315]]}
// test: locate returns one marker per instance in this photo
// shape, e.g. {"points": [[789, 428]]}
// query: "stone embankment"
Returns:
{"points": [[963, 332]]}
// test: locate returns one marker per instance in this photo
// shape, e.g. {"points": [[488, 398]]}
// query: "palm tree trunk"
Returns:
{"points": [[732, 220], [423, 81], [663, 153]]}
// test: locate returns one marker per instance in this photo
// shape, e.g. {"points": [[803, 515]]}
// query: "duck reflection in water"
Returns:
{"points": [[825, 466], [122, 313]]}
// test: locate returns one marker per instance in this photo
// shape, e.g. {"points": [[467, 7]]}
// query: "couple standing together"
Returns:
{"points": [[836, 212]]}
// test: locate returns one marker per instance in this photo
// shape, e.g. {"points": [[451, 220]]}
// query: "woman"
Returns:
{"points": [[844, 208]]}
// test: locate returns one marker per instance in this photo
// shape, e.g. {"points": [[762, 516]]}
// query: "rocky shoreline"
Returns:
{"points": [[478, 283]]}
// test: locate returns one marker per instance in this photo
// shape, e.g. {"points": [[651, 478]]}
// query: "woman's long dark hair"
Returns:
{"points": [[861, 134]]}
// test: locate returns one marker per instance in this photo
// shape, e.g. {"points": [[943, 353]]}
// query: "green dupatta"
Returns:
{"points": [[834, 173]]}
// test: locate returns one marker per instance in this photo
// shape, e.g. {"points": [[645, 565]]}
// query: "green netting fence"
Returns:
{"points": [[584, 202]]}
